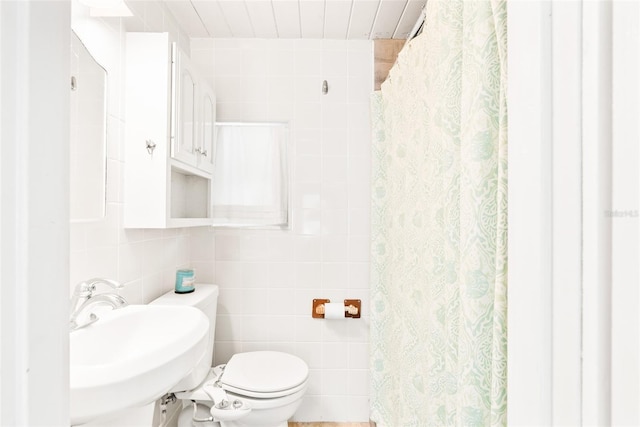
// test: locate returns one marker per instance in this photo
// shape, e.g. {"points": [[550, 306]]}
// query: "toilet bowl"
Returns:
{"points": [[258, 388], [261, 388]]}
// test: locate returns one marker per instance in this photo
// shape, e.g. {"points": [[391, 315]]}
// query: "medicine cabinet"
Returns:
{"points": [[170, 136]]}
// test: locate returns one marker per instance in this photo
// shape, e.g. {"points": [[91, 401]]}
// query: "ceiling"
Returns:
{"points": [[308, 19]]}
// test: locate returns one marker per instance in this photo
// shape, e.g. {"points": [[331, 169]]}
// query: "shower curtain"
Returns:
{"points": [[439, 224]]}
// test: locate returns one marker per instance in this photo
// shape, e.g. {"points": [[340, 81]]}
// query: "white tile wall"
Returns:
{"points": [[143, 260], [269, 278]]}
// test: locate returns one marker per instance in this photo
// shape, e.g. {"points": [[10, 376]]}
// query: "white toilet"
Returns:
{"points": [[259, 388]]}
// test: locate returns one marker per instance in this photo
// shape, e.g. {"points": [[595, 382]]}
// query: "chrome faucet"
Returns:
{"points": [[83, 296]]}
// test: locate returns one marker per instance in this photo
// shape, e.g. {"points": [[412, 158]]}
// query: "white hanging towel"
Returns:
{"points": [[250, 185]]}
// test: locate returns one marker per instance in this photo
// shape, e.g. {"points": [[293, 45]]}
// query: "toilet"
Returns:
{"points": [[258, 388]]}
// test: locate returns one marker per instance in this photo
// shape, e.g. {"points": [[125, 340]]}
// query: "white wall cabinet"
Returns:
{"points": [[170, 116], [193, 115]]}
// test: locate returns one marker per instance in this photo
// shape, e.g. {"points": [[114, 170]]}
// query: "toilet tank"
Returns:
{"points": [[204, 298]]}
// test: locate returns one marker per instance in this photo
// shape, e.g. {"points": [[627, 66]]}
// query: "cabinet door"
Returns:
{"points": [[184, 143], [207, 141]]}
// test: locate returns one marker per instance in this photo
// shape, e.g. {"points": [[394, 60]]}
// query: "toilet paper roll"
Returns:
{"points": [[334, 310]]}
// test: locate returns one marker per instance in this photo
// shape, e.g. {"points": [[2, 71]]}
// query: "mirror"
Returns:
{"points": [[88, 133]]}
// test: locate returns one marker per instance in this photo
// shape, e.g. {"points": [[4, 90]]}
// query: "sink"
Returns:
{"points": [[131, 356]]}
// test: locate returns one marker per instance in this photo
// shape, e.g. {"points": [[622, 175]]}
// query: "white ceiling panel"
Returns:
{"points": [[262, 19], [312, 19], [408, 18], [212, 17], [330, 19], [337, 14], [237, 17], [363, 15], [187, 17], [387, 18], [287, 16]]}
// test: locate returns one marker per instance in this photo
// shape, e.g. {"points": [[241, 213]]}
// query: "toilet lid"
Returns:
{"points": [[264, 372]]}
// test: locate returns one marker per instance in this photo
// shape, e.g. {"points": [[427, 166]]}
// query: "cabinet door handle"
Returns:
{"points": [[201, 151]]}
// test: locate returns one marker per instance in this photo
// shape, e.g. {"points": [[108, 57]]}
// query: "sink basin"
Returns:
{"points": [[131, 356]]}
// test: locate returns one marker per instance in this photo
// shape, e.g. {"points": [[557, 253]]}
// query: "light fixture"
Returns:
{"points": [[107, 7]]}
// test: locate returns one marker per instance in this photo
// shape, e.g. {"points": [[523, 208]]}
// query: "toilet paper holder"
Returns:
{"points": [[352, 308]]}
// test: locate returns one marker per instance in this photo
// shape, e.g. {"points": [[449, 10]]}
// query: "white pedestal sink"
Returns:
{"points": [[131, 356]]}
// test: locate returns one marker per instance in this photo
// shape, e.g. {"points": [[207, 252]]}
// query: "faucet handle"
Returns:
{"points": [[87, 288], [84, 289], [112, 283]]}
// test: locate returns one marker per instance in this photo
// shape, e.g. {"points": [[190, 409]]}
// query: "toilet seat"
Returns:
{"points": [[264, 374], [259, 375], [265, 395]]}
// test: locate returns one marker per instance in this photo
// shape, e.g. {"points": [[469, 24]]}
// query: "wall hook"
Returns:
{"points": [[150, 146]]}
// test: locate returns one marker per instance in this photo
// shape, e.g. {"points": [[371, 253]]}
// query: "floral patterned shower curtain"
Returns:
{"points": [[439, 224]]}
